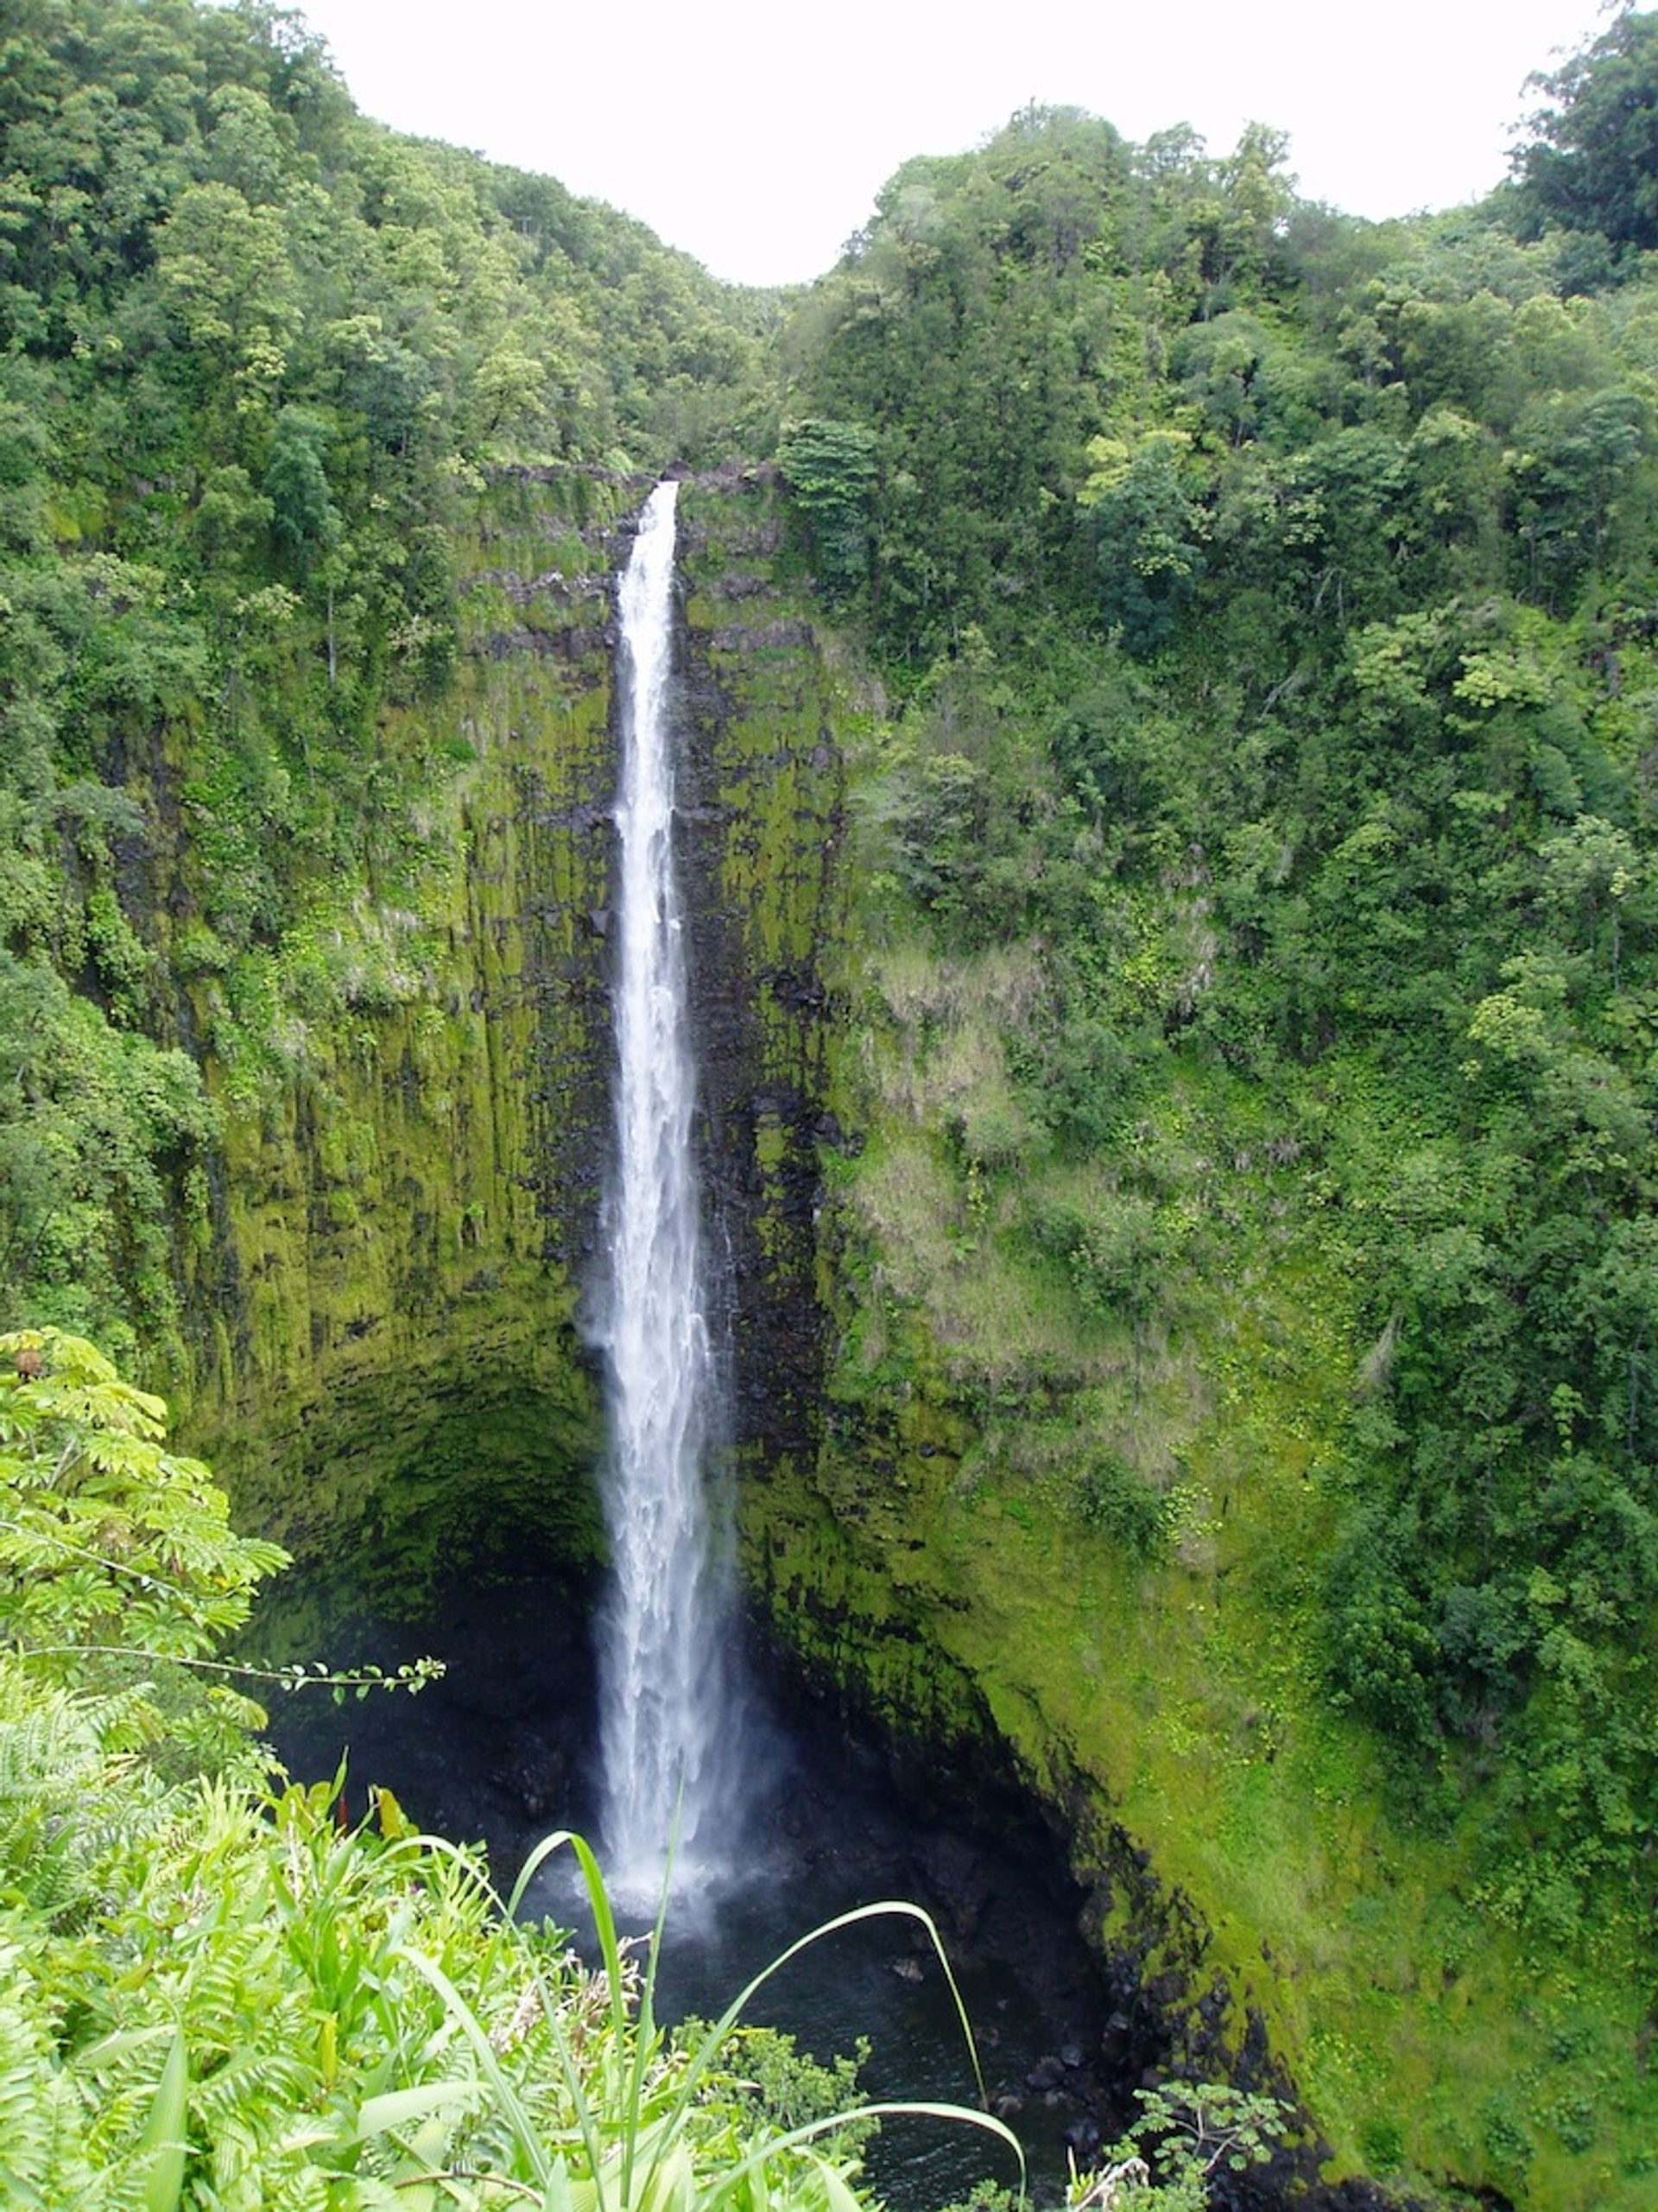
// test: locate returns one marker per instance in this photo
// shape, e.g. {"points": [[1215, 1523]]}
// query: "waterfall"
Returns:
{"points": [[662, 1675]]}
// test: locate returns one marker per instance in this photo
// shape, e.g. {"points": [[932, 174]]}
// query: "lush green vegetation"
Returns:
{"points": [[255, 354], [1252, 1066], [1268, 598], [1260, 1103]]}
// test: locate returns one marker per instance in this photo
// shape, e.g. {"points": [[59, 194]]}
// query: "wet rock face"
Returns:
{"points": [[387, 1367], [760, 798]]}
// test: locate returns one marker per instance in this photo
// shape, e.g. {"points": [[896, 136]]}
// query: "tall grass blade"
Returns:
{"points": [[799, 2138], [397, 2108], [162, 2143], [708, 2049], [609, 1950], [511, 2104]]}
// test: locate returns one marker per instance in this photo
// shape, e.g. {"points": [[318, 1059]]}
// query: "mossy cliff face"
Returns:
{"points": [[969, 1625], [760, 795], [384, 1359], [388, 1368], [1085, 1551]]}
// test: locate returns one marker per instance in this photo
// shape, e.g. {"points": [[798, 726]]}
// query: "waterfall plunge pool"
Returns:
{"points": [[508, 1747], [503, 1750]]}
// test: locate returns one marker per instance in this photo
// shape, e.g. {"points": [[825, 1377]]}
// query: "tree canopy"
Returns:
{"points": [[1590, 162]]}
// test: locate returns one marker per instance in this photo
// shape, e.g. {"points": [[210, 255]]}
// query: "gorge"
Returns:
{"points": [[1165, 679], [836, 1804]]}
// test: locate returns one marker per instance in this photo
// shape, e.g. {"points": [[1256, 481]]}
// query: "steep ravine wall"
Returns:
{"points": [[388, 1371], [386, 1360], [383, 1356], [888, 1607], [762, 794], [388, 1367]]}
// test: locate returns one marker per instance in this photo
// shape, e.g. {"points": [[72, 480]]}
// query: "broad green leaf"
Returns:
{"points": [[398, 2107]]}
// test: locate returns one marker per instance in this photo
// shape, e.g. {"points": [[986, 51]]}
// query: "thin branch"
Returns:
{"points": [[412, 1677], [471, 2173], [143, 1575]]}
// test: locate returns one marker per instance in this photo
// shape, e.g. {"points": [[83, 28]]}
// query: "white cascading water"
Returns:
{"points": [[662, 1672]]}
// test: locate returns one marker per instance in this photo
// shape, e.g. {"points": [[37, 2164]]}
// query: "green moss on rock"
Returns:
{"points": [[384, 1359]]}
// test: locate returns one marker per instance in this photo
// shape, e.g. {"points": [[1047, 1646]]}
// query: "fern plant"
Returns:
{"points": [[117, 1560], [214, 1998]]}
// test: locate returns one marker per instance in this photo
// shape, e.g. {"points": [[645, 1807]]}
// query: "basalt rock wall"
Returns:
{"points": [[761, 801], [386, 1359]]}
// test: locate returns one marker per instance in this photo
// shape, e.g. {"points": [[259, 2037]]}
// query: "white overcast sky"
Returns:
{"points": [[755, 136]]}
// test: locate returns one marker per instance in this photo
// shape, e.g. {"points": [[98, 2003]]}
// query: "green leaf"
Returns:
{"points": [[162, 2141], [397, 2108]]}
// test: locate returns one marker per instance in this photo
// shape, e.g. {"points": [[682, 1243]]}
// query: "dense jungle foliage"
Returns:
{"points": [[1270, 600], [1263, 794]]}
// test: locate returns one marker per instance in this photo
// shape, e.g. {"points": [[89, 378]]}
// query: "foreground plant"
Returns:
{"points": [[211, 1996], [637, 2121], [1188, 2135], [117, 1560]]}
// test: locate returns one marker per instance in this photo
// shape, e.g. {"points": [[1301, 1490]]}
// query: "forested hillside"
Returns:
{"points": [[1236, 1249], [1260, 858], [1270, 602], [257, 356]]}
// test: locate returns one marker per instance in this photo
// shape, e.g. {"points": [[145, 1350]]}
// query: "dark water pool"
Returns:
{"points": [[833, 1840], [501, 1751]]}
